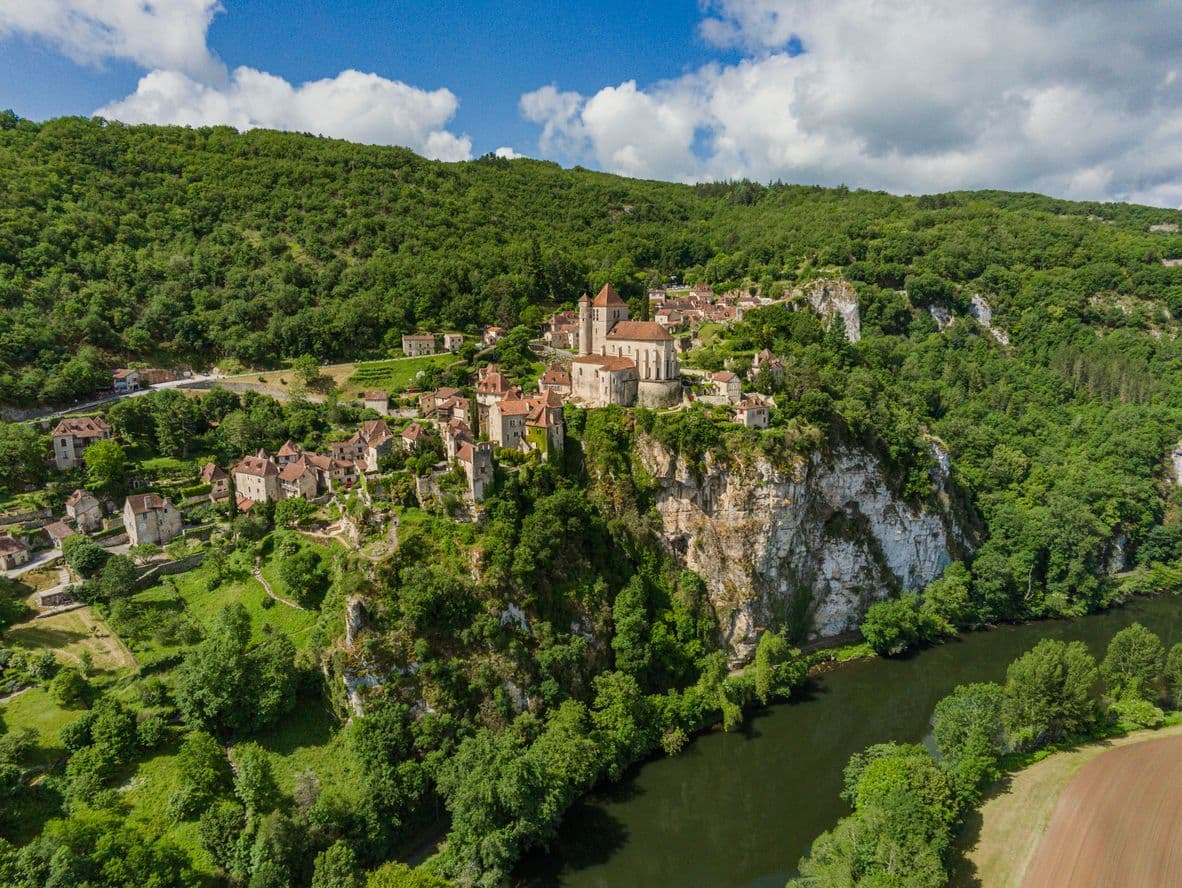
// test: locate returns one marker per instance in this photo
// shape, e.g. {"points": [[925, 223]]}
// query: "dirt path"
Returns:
{"points": [[1003, 839], [258, 575], [15, 694]]}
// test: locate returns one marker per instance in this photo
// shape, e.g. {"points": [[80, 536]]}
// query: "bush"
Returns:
{"points": [[894, 626], [1136, 710], [1134, 662], [1050, 694], [150, 731], [68, 688]]}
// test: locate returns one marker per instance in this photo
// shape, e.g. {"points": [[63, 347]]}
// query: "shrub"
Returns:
{"points": [[68, 688]]}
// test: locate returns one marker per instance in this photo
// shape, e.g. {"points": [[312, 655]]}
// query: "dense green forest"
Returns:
{"points": [[172, 245], [167, 244]]}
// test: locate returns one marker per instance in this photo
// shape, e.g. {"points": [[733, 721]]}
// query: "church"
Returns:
{"points": [[622, 361]]}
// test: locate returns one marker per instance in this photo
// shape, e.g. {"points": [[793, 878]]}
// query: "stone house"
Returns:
{"points": [[598, 380], [218, 480], [13, 553], [765, 360], [506, 421], [491, 335], [85, 510], [456, 434], [416, 344], [288, 453], [299, 479], [671, 319], [728, 385], [414, 435], [59, 532], [351, 449], [125, 381], [753, 413], [55, 597], [256, 478], [73, 435], [377, 401], [377, 439], [430, 402], [150, 518], [556, 379], [452, 341], [545, 427], [476, 460], [491, 386]]}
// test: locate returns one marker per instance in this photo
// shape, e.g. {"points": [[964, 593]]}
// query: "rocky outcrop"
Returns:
{"points": [[835, 297], [808, 546], [982, 312]]}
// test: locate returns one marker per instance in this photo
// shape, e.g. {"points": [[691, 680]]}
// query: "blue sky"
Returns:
{"points": [[487, 53], [1081, 100]]}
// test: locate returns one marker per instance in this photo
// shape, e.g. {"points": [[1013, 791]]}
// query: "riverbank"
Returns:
{"points": [[1002, 839], [742, 807]]}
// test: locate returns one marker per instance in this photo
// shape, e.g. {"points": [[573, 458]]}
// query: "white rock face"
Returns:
{"points": [[1176, 463], [835, 297], [983, 313], [810, 546], [941, 314]]}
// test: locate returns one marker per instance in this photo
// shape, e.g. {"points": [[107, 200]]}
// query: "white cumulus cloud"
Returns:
{"points": [[1077, 99], [188, 84], [507, 153], [151, 33], [353, 105]]}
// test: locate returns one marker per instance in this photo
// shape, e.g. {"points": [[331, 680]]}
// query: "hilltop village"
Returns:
{"points": [[108, 487]]}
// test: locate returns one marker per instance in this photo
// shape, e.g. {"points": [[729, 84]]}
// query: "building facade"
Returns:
{"points": [[605, 331], [73, 435], [150, 518]]}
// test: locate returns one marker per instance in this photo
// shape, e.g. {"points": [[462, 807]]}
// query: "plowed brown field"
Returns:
{"points": [[1118, 822]]}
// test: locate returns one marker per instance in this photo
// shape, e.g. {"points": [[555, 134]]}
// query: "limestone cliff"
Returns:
{"points": [[809, 545]]}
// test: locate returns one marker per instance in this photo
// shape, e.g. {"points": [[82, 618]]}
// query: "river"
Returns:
{"points": [[740, 809]]}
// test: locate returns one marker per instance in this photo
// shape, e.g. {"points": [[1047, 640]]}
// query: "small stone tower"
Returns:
{"points": [[584, 324]]}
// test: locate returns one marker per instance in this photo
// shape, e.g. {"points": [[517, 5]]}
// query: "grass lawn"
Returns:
{"points": [[69, 634], [311, 739], [36, 709], [147, 792], [394, 374], [708, 332], [203, 601]]}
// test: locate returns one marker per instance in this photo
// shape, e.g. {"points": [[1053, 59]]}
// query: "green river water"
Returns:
{"points": [[740, 809]]}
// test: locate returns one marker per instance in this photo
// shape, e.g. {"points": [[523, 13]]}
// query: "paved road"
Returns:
{"points": [[195, 379]]}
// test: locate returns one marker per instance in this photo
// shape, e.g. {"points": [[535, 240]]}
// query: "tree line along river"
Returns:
{"points": [[740, 809]]}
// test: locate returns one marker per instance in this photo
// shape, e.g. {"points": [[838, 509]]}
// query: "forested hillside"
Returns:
{"points": [[167, 244], [1019, 368]]}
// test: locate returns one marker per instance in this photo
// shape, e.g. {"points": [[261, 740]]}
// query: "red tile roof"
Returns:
{"points": [[611, 363], [81, 427], [213, 472], [257, 466], [376, 432], [142, 503], [607, 297], [76, 497], [10, 546], [556, 374], [513, 407], [59, 530], [645, 331]]}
